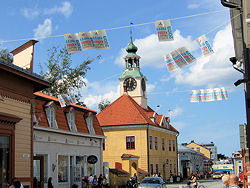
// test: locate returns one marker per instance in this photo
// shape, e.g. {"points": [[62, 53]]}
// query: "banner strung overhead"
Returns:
{"points": [[205, 45], [164, 30], [202, 95], [170, 63], [66, 100], [72, 43], [94, 39], [179, 60], [61, 101], [186, 54]]}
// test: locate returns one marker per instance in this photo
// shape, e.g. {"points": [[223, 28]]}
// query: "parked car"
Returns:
{"points": [[217, 175], [152, 182]]}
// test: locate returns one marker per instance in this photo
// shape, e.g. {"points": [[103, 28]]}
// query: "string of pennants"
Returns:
{"points": [[206, 95], [66, 100]]}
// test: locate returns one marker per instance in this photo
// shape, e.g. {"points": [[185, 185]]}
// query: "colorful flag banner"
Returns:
{"points": [[205, 45], [186, 54], [179, 60], [194, 96], [73, 98], [72, 43], [61, 101], [217, 94], [164, 30], [66, 99], [202, 95], [86, 40], [224, 93], [99, 38], [170, 63], [209, 95]]}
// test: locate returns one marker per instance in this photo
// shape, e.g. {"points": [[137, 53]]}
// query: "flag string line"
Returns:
{"points": [[114, 28]]}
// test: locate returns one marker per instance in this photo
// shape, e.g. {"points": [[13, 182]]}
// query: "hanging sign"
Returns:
{"points": [[61, 101], [209, 94], [202, 95], [99, 38], [73, 98], [205, 45], [72, 43], [164, 30], [92, 159], [186, 54], [179, 60], [224, 94], [217, 94], [66, 99], [170, 63], [86, 40]]}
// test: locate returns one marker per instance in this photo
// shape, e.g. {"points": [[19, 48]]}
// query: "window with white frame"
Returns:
{"points": [[71, 120], [51, 114], [63, 164], [90, 124]]}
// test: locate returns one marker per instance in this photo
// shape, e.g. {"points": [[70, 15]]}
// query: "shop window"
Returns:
{"points": [[173, 145], [163, 144], [79, 168], [37, 168], [4, 160], [90, 169], [150, 142], [130, 142], [90, 124], [63, 164], [169, 145], [156, 143]]}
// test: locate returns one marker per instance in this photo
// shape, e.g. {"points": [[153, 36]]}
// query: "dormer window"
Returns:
{"points": [[89, 121], [70, 114], [50, 109]]}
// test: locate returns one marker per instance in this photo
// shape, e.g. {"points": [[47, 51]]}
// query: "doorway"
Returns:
{"points": [[38, 167]]}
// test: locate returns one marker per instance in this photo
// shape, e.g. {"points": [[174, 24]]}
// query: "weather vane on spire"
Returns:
{"points": [[131, 23]]}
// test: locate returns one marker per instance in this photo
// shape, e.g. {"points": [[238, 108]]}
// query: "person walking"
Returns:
{"points": [[194, 181], [90, 180], [95, 181], [100, 181], [16, 183], [50, 185]]}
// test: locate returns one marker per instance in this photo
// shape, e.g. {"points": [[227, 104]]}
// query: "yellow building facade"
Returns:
{"points": [[200, 149], [133, 129]]}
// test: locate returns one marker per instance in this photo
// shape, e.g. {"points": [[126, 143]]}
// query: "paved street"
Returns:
{"points": [[210, 183]]}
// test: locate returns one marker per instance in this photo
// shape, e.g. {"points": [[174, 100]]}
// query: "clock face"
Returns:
{"points": [[130, 83], [143, 84]]}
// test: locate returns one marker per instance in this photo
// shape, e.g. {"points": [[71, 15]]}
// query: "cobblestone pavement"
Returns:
{"points": [[209, 183]]}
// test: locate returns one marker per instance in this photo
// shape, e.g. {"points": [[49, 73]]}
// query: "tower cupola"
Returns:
{"points": [[132, 59]]}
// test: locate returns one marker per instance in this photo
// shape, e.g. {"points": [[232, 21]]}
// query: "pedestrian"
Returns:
{"points": [[233, 181], [159, 174], [90, 180], [100, 181], [194, 181], [225, 180], [85, 182], [50, 185], [95, 181], [16, 183], [135, 177], [105, 182]]}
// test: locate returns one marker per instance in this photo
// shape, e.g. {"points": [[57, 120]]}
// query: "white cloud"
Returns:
{"points": [[175, 112], [178, 125], [193, 6], [66, 9], [152, 51], [214, 70], [95, 92], [43, 30], [30, 13]]}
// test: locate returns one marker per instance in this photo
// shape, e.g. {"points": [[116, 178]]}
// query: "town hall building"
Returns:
{"points": [[138, 139]]}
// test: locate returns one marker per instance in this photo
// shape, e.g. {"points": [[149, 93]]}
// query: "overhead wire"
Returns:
{"points": [[114, 28]]}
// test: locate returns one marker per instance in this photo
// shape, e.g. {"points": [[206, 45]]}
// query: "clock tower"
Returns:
{"points": [[132, 81]]}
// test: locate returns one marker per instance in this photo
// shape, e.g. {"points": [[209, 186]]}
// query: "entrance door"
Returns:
{"points": [[38, 179], [4, 160]]}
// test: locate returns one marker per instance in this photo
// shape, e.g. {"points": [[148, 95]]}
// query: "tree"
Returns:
{"points": [[5, 55], [65, 78], [222, 156], [103, 104]]}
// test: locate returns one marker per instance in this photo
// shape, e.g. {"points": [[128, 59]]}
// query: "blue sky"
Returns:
{"points": [[203, 122]]}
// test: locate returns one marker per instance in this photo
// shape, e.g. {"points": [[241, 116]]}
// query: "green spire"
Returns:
{"points": [[131, 48]]}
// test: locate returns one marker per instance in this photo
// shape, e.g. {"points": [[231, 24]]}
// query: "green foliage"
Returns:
{"points": [[222, 156], [103, 104], [5, 55], [65, 78]]}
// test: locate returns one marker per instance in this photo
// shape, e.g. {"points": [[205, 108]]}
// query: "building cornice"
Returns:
{"points": [[124, 127], [40, 128]]}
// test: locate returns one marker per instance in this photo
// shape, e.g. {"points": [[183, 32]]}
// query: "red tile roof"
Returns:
{"points": [[119, 172], [125, 111], [129, 156], [141, 171], [61, 119]]}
